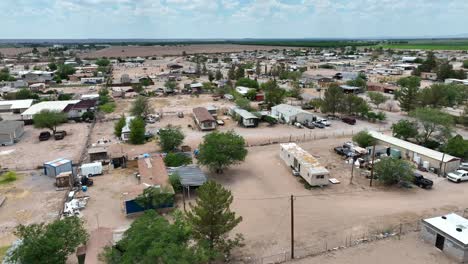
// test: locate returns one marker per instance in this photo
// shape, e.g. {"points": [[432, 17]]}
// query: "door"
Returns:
{"points": [[296, 163], [440, 241]]}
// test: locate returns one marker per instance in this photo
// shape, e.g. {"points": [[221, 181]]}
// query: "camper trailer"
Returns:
{"points": [[304, 164]]}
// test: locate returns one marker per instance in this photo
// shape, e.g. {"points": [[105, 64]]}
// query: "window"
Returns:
{"points": [[320, 177]]}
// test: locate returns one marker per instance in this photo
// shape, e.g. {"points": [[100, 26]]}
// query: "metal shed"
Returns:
{"points": [[190, 175], [55, 167]]}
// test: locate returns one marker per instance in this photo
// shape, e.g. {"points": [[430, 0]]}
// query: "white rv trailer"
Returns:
{"points": [[304, 163]]}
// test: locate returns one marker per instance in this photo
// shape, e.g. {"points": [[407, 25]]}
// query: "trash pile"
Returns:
{"points": [[73, 205]]}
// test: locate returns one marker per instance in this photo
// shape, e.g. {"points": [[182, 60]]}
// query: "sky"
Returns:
{"points": [[208, 19]]}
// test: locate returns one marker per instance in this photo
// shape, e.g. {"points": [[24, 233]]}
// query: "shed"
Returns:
{"points": [[350, 89], [204, 119], [55, 167], [190, 175], [15, 106], [419, 154], [449, 233], [10, 132], [97, 153]]}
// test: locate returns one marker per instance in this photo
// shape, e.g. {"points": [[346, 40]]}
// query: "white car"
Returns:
{"points": [[324, 122], [463, 166], [458, 176]]}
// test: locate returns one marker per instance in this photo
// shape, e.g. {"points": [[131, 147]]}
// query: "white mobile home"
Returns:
{"points": [[290, 114], [244, 117], [307, 165]]}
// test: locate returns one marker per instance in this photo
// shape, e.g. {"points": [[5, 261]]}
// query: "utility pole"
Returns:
{"points": [[183, 197], [441, 162], [372, 169], [292, 226], [352, 170]]}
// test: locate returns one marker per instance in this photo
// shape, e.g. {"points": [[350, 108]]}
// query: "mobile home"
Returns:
{"points": [[303, 162]]}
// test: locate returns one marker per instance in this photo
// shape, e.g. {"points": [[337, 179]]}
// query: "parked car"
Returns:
{"points": [[458, 176], [229, 97], [59, 135], [349, 120], [308, 125], [463, 166], [43, 136], [180, 114], [325, 122], [220, 122], [298, 125], [318, 124], [422, 182], [295, 172], [344, 152]]}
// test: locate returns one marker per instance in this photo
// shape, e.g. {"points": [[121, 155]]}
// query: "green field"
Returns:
{"points": [[429, 45]]}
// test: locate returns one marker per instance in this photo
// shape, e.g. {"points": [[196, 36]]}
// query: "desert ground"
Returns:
{"points": [[30, 199], [141, 51], [30, 153], [17, 51], [409, 250]]}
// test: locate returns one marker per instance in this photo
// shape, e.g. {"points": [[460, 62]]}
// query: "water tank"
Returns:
{"points": [[426, 165]]}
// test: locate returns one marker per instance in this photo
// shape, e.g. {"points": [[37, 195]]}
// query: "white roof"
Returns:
{"points": [[305, 158], [17, 104], [433, 154], [243, 90], [449, 226], [128, 120], [50, 105], [289, 110]]}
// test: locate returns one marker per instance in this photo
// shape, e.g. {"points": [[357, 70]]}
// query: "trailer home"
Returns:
{"points": [[303, 162]]}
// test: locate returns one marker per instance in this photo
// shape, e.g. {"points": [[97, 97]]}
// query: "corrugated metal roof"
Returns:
{"points": [[57, 162], [17, 104], [50, 105], [190, 175], [434, 154], [289, 110], [244, 113]]}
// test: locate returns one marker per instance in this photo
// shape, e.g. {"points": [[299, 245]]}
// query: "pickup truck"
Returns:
{"points": [[422, 182], [59, 135]]}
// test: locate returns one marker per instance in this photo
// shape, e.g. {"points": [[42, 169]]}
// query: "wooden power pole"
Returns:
{"points": [[372, 169], [292, 226]]}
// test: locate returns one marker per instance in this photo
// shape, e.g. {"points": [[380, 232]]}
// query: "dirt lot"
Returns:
{"points": [[30, 199], [29, 152], [262, 186], [139, 51], [409, 250], [16, 51]]}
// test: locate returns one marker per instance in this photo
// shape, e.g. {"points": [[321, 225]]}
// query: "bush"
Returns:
{"points": [[8, 177], [177, 159], [107, 107], [88, 116], [175, 182]]}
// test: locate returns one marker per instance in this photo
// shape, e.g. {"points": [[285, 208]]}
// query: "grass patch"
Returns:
{"points": [[3, 251], [107, 107], [8, 177]]}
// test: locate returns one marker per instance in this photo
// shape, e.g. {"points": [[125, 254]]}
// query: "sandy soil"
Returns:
{"points": [[324, 217], [29, 152], [135, 51], [409, 250], [31, 199], [16, 51]]}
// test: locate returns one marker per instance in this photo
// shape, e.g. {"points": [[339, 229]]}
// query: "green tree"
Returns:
{"points": [[258, 68], [377, 98], [141, 107], [119, 125], [154, 197], [212, 220], [152, 239], [137, 87], [104, 62], [240, 73], [465, 64], [352, 104], [52, 66], [243, 103], [358, 82], [434, 124], [364, 139], [25, 94], [405, 129], [232, 72], [457, 146], [64, 70], [408, 94], [296, 90], [177, 159], [251, 94], [392, 171], [49, 119], [247, 82], [332, 99], [170, 86], [274, 95], [211, 76], [137, 131], [219, 150], [5, 75], [51, 243], [170, 138], [218, 75]]}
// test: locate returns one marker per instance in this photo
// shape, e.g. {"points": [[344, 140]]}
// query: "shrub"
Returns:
{"points": [[175, 182], [8, 177], [177, 159], [107, 107]]}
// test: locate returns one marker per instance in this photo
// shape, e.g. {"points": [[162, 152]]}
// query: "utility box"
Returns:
{"points": [[91, 169], [55, 167]]}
